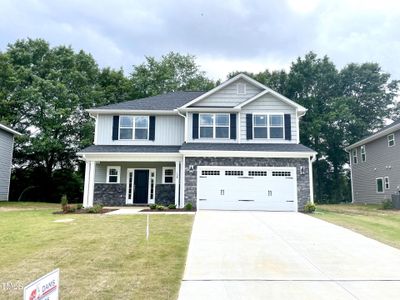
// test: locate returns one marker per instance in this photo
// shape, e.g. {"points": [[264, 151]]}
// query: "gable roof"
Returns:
{"points": [[10, 130], [163, 102], [380, 133]]}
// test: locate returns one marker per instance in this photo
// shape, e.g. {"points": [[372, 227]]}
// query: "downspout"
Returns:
{"points": [[182, 166]]}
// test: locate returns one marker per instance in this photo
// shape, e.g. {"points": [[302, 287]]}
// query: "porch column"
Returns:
{"points": [[88, 191], [177, 182]]}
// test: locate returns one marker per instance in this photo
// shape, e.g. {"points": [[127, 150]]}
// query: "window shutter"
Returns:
{"points": [[288, 128], [195, 126], [233, 126], [115, 130], [152, 128], [249, 126]]}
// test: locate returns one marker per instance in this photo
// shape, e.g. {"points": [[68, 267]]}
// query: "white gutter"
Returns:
{"points": [[185, 118], [130, 111], [8, 129]]}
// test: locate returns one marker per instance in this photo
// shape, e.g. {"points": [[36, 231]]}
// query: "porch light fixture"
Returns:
{"points": [[191, 168], [302, 171]]}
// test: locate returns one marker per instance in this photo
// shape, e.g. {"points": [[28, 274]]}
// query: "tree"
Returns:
{"points": [[173, 72]]}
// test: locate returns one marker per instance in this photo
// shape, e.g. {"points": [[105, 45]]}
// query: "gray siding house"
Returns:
{"points": [[375, 165], [6, 151], [235, 147]]}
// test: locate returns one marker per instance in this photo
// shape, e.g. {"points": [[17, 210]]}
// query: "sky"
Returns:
{"points": [[223, 35]]}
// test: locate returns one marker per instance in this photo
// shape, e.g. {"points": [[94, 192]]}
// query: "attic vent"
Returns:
{"points": [[241, 88]]}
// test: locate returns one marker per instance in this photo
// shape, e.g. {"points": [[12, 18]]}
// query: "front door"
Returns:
{"points": [[141, 187]]}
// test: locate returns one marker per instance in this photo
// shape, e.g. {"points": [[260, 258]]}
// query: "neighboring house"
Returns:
{"points": [[375, 165], [6, 151], [234, 147]]}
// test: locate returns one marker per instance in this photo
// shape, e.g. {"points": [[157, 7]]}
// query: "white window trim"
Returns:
{"points": [[386, 183], [134, 128], [118, 168], [354, 156], [214, 126], [363, 153], [244, 88], [391, 139], [269, 126], [376, 185], [173, 175]]}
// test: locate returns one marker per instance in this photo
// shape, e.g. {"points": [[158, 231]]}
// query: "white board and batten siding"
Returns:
{"points": [[169, 130], [228, 96], [6, 150]]}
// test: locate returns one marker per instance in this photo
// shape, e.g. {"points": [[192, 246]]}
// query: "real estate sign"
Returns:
{"points": [[44, 288]]}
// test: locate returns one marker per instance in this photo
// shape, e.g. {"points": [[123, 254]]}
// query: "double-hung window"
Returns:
{"points": [[113, 174], [363, 153], [214, 126], [134, 128], [355, 158], [387, 183], [391, 141], [268, 126]]}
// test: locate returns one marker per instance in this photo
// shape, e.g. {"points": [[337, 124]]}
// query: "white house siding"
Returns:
{"points": [[228, 95], [169, 131], [101, 169], [6, 150], [268, 104], [381, 161]]}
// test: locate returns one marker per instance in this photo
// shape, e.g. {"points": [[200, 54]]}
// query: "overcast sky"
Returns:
{"points": [[224, 35]]}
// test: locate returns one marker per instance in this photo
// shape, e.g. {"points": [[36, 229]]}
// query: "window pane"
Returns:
{"points": [[112, 178], [206, 132], [169, 172], [168, 179], [222, 132], [222, 120], [113, 172], [260, 132], [276, 120], [126, 121], [125, 134], [260, 120], [140, 134], [276, 132], [379, 185], [141, 122], [206, 119]]}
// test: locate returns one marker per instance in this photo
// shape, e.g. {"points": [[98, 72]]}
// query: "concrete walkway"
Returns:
{"points": [[261, 255]]}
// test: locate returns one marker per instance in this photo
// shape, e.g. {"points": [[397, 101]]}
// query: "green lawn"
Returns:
{"points": [[369, 220], [99, 256]]}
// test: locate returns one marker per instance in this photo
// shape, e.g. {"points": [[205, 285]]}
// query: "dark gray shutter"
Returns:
{"points": [[195, 126], [152, 128], [249, 126], [115, 128], [288, 127], [233, 126]]}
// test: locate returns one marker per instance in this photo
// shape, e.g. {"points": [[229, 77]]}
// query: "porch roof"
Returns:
{"points": [[130, 149]]}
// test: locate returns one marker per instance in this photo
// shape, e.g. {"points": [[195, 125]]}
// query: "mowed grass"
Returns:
{"points": [[99, 256], [369, 220]]}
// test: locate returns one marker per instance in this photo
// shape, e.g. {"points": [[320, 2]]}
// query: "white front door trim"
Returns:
{"points": [[151, 191]]}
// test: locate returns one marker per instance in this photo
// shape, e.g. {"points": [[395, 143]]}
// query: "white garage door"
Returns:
{"points": [[247, 188]]}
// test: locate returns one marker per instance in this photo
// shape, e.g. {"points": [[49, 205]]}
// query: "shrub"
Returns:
{"points": [[64, 203], [309, 207], [96, 209], [160, 207], [387, 204], [79, 206], [172, 206], [153, 206], [188, 206]]}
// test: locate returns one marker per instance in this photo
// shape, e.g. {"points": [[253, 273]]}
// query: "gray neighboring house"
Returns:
{"points": [[235, 147], [375, 165], [6, 151]]}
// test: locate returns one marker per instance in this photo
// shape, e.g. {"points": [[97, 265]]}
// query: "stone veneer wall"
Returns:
{"points": [[109, 194], [303, 181], [165, 194]]}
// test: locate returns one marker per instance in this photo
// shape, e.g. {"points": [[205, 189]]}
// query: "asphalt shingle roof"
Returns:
{"points": [[169, 101], [130, 148]]}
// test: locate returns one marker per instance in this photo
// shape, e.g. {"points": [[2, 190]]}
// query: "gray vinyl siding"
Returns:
{"points": [[268, 104], [228, 95], [381, 161], [169, 131], [100, 175], [6, 150]]}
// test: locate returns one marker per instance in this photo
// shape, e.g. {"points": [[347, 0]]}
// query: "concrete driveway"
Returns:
{"points": [[269, 255]]}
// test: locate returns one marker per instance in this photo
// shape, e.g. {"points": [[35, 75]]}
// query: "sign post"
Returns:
{"points": [[44, 288]]}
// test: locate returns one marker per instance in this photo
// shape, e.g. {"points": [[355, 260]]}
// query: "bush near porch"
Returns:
{"points": [[99, 256]]}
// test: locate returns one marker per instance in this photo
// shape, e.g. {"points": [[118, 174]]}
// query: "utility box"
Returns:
{"points": [[396, 201]]}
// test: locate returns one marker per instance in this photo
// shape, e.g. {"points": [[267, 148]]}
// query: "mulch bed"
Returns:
{"points": [[84, 211], [167, 210]]}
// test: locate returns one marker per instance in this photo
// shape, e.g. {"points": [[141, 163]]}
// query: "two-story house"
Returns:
{"points": [[235, 147], [375, 165]]}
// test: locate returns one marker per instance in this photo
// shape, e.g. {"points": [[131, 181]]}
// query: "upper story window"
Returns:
{"points": [[241, 88], [134, 128], [113, 174], [268, 126], [168, 175], [391, 140], [363, 153], [355, 158], [214, 126]]}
